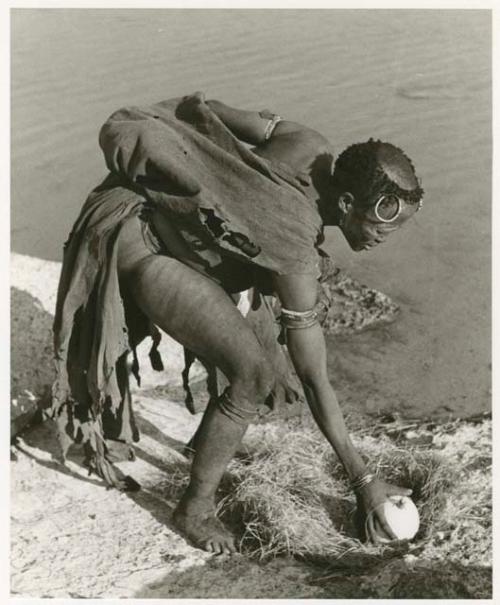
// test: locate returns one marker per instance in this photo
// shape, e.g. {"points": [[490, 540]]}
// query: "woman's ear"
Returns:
{"points": [[345, 202]]}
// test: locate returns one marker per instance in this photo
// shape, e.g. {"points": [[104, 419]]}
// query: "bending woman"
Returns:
{"points": [[188, 218]]}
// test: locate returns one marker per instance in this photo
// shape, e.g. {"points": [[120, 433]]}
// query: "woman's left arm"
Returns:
{"points": [[255, 127], [307, 350]]}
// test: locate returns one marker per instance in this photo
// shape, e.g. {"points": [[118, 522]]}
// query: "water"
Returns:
{"points": [[420, 79]]}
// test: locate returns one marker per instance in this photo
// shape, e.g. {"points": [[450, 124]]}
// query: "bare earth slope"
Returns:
{"points": [[71, 537]]}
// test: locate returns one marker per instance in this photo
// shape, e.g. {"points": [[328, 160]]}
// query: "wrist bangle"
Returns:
{"points": [[362, 480]]}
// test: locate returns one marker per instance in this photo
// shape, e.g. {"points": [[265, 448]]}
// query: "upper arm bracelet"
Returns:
{"points": [[271, 125], [294, 320], [273, 120]]}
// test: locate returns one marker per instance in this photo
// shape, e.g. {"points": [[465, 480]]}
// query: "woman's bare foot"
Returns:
{"points": [[197, 520]]}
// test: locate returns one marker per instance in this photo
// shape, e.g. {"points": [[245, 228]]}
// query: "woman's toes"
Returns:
{"points": [[217, 548], [208, 546], [206, 532], [229, 546], [214, 546]]}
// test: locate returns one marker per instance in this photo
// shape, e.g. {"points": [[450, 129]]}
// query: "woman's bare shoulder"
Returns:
{"points": [[296, 145], [299, 132]]}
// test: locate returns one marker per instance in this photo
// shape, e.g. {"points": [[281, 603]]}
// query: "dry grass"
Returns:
{"points": [[287, 495]]}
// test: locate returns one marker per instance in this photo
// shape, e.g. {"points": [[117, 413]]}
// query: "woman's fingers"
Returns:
{"points": [[395, 490], [377, 528], [230, 547], [200, 95], [369, 529], [384, 525], [373, 535], [291, 395], [284, 390]]}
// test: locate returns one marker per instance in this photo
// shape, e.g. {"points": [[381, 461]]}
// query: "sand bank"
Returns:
{"points": [[64, 522]]}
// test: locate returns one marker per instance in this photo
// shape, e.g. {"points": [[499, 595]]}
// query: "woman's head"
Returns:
{"points": [[375, 192]]}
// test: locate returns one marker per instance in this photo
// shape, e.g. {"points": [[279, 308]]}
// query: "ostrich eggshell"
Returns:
{"points": [[402, 517]]}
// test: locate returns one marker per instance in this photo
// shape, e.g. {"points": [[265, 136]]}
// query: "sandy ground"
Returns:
{"points": [[71, 537], [62, 521]]}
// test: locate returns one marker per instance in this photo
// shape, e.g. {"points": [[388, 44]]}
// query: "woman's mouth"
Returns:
{"points": [[371, 243]]}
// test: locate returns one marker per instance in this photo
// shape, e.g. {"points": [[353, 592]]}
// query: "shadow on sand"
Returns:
{"points": [[42, 437], [32, 371], [31, 367], [282, 578]]}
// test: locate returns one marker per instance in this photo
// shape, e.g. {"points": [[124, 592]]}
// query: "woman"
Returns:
{"points": [[188, 217]]}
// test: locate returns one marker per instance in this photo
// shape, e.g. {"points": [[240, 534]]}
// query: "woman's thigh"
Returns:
{"points": [[189, 307]]}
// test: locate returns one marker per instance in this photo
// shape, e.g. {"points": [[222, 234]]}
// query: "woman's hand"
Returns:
{"points": [[284, 389], [370, 498]]}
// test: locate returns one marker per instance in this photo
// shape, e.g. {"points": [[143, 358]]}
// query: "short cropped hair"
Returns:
{"points": [[358, 169]]}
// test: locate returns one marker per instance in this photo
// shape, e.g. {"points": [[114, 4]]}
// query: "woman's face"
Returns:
{"points": [[363, 228]]}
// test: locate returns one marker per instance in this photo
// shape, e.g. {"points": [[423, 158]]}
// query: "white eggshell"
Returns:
{"points": [[402, 517]]}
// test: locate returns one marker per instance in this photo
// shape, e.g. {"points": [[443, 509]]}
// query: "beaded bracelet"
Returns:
{"points": [[298, 319], [362, 481]]}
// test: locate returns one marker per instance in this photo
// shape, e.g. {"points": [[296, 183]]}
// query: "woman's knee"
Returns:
{"points": [[248, 390], [254, 381]]}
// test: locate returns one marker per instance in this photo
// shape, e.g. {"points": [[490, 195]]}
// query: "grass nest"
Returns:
{"points": [[287, 494]]}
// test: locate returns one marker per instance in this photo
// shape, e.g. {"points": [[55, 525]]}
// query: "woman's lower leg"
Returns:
{"points": [[217, 440]]}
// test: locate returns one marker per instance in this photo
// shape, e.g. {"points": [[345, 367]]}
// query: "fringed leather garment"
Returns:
{"points": [[232, 208]]}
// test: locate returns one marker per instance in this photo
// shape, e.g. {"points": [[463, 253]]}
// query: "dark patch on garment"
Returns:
{"points": [[218, 228], [170, 183], [213, 222]]}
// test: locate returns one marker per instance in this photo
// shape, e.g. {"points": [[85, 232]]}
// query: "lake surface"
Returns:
{"points": [[420, 79]]}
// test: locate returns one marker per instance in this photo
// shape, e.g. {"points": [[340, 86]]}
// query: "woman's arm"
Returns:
{"points": [[251, 126], [290, 142], [308, 353], [136, 148]]}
